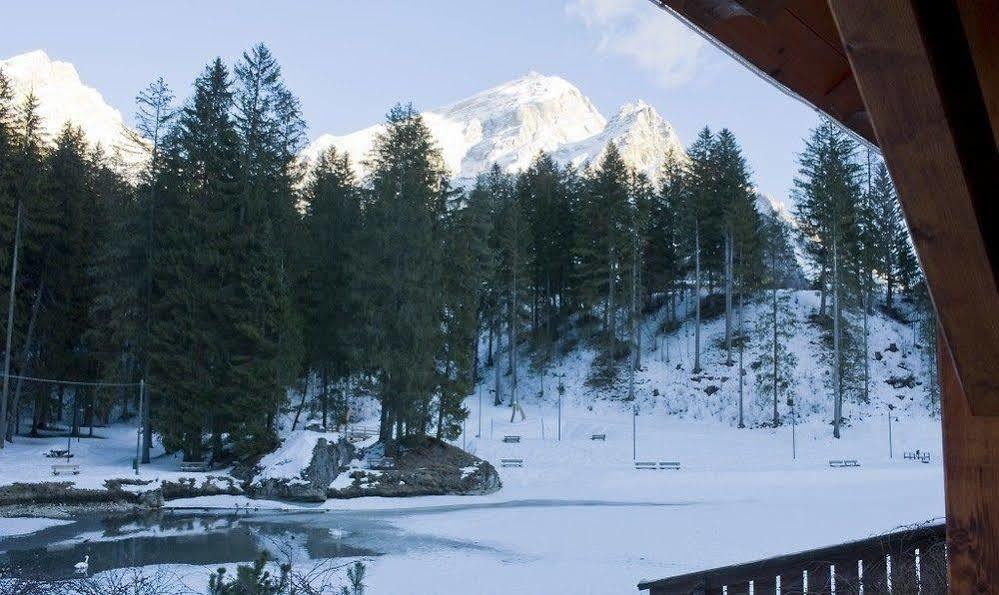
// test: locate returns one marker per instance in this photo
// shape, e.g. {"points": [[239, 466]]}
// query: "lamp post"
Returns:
{"points": [[634, 433], [891, 450], [561, 390], [138, 426]]}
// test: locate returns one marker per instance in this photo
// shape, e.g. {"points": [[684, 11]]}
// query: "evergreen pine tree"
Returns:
{"points": [[331, 308], [602, 243], [400, 289], [827, 193], [778, 325]]}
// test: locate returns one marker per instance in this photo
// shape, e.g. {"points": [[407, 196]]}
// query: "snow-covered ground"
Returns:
{"points": [[578, 517], [108, 455]]}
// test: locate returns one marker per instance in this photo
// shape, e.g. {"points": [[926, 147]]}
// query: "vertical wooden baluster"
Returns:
{"points": [[848, 577], [876, 574], [818, 579], [792, 583], [765, 586], [903, 572], [932, 568]]}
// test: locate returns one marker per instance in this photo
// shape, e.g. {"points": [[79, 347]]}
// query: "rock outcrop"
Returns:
{"points": [[427, 467], [311, 483]]}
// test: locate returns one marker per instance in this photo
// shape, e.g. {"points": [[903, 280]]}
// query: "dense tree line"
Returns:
{"points": [[231, 277]]}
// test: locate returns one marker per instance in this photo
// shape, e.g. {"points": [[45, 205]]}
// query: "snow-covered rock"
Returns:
{"points": [[63, 97], [509, 124], [427, 467], [302, 468]]}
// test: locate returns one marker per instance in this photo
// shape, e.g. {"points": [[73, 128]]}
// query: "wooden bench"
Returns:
{"points": [[361, 433], [58, 453], [844, 463], [194, 466], [511, 462], [65, 468], [601, 437], [382, 464], [511, 439], [661, 465], [918, 456]]}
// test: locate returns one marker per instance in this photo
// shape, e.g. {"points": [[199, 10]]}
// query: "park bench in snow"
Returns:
{"points": [[511, 462], [194, 466], [511, 439], [601, 437], [844, 463], [58, 453], [361, 432], [918, 456], [671, 465], [65, 468], [382, 464]]}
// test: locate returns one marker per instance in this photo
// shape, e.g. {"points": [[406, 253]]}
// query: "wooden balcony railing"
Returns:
{"points": [[904, 562]]}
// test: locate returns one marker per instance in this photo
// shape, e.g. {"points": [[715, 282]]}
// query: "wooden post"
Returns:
{"points": [[971, 482]]}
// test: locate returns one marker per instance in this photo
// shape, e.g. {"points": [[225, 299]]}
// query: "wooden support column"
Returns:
{"points": [[916, 74], [920, 75], [971, 480]]}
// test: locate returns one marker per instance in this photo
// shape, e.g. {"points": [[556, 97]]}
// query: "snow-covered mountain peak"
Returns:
{"points": [[510, 123], [642, 136], [64, 97]]}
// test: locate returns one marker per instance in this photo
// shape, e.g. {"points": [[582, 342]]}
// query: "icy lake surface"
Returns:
{"points": [[211, 539]]}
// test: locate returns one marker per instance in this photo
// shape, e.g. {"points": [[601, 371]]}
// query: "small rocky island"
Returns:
{"points": [[312, 467]]}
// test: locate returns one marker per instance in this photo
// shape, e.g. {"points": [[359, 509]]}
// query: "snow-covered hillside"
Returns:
{"points": [[63, 97], [509, 124], [667, 385]]}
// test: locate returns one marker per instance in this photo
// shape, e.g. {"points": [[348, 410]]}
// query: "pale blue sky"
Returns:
{"points": [[349, 61]]}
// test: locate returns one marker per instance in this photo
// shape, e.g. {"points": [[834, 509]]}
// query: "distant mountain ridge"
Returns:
{"points": [[510, 123], [507, 124], [63, 97]]}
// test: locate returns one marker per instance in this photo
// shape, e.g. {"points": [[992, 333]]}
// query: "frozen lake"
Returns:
{"points": [[394, 541]]}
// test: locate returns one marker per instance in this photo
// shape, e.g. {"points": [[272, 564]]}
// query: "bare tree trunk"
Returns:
{"points": [[697, 297], [147, 428], [10, 328], [636, 309], [822, 291], [25, 368], [611, 327], [489, 357], [775, 337], [632, 344], [325, 395], [728, 298], [498, 396], [867, 365], [838, 393], [742, 370], [301, 404]]}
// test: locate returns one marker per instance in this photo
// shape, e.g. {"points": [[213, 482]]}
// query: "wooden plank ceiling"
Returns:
{"points": [[795, 43]]}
